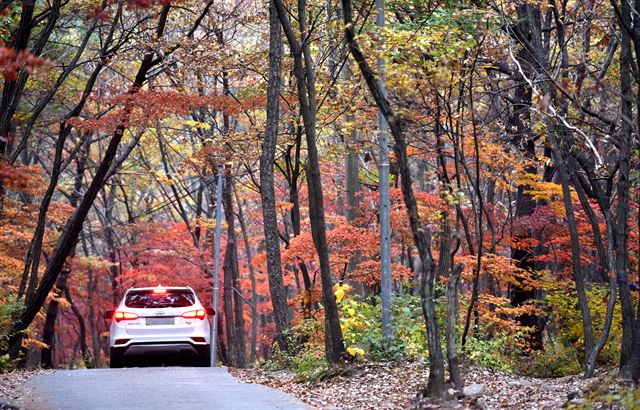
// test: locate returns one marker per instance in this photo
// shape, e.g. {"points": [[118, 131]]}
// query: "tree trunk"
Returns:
{"points": [[445, 268], [110, 242], [82, 332], [559, 159], [72, 228], [48, 333], [421, 234], [605, 264], [625, 139], [235, 322], [252, 277], [94, 325], [303, 71], [450, 333], [294, 173], [267, 191], [519, 126]]}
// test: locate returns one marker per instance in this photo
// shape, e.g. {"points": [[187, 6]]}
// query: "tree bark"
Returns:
{"points": [[559, 160], [292, 174], [252, 276], [82, 332], [48, 332], [94, 325], [232, 289], [625, 138], [267, 191], [446, 268], [110, 240]]}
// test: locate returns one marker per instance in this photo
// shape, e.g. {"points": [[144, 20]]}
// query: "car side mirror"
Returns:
{"points": [[210, 311], [108, 314]]}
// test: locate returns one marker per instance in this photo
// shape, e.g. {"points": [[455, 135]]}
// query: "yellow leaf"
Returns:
{"points": [[341, 291], [353, 351]]}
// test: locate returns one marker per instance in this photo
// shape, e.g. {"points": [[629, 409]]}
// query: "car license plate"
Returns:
{"points": [[154, 321]]}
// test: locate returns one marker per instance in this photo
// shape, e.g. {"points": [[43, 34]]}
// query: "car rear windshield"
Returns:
{"points": [[147, 299]]}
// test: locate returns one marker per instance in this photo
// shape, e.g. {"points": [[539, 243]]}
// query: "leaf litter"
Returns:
{"points": [[396, 386], [14, 386]]}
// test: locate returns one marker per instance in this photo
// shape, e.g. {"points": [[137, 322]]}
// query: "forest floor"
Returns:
{"points": [[13, 386], [395, 386]]}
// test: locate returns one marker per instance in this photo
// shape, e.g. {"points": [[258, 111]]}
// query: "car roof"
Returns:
{"points": [[162, 287]]}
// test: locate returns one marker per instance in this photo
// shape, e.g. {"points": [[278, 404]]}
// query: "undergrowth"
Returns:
{"points": [[486, 347]]}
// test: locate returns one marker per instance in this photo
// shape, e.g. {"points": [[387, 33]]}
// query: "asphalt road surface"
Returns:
{"points": [[153, 388]]}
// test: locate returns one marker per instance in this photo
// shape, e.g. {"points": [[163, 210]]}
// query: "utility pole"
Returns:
{"points": [[385, 202], [216, 269]]}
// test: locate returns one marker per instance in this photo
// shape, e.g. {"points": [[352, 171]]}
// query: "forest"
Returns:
{"points": [[449, 182]]}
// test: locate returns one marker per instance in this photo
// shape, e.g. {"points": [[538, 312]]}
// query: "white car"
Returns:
{"points": [[160, 320]]}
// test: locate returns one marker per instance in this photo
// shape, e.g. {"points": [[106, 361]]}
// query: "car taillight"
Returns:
{"points": [[195, 314], [118, 316]]}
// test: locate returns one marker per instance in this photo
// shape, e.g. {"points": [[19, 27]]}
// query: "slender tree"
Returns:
{"points": [[304, 74], [421, 233], [267, 192]]}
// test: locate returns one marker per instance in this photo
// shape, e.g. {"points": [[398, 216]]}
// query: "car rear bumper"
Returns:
{"points": [[159, 348], [150, 348]]}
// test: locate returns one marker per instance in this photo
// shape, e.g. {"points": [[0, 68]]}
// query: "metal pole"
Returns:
{"points": [[216, 270], [385, 202]]}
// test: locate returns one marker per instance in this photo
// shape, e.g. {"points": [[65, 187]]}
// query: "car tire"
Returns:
{"points": [[203, 358], [115, 359]]}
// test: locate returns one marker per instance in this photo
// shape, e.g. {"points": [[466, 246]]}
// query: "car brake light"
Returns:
{"points": [[118, 316], [195, 314], [159, 291]]}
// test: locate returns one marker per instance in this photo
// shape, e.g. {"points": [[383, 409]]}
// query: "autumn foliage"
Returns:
{"points": [[524, 172]]}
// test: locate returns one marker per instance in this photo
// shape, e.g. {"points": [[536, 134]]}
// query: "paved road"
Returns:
{"points": [[153, 388]]}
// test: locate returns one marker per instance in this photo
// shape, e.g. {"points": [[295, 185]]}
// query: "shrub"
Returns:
{"points": [[556, 360], [309, 362], [277, 360], [7, 312], [307, 356], [495, 352], [362, 328], [563, 304]]}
